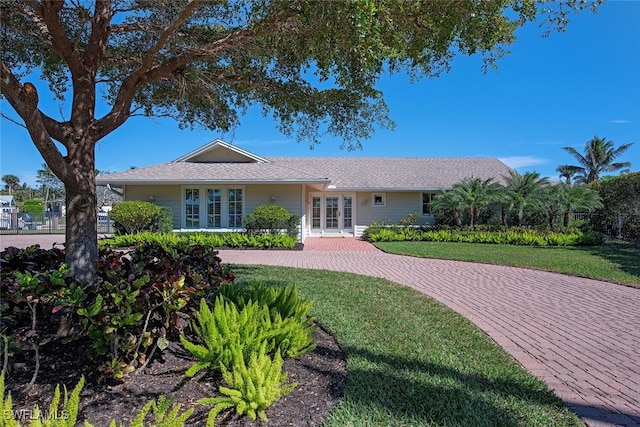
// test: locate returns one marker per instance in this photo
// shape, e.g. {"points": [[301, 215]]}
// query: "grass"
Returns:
{"points": [[413, 362], [615, 262]]}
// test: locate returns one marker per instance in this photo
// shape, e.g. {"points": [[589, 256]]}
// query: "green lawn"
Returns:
{"points": [[413, 362], [615, 262]]}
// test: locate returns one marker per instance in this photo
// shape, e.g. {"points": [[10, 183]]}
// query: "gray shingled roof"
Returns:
{"points": [[348, 173]]}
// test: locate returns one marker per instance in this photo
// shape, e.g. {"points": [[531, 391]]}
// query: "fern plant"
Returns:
{"points": [[225, 328], [292, 326], [6, 406], [63, 417], [165, 414], [250, 389]]}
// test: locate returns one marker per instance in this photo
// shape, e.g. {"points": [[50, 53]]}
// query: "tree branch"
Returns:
{"points": [[143, 75], [24, 100], [49, 13], [99, 36]]}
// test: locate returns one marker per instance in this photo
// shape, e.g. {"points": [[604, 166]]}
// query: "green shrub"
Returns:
{"points": [[215, 240], [134, 216], [34, 207], [513, 236], [620, 211], [280, 320], [293, 223], [250, 388], [142, 299], [223, 329], [163, 222], [269, 218], [290, 314]]}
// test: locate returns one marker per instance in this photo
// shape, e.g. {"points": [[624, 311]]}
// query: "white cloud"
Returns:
{"points": [[620, 121], [516, 162]]}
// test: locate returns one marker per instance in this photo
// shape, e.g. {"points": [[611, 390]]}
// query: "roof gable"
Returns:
{"points": [[218, 151]]}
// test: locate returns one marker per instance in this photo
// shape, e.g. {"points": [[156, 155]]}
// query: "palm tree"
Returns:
{"points": [[579, 198], [448, 203], [568, 172], [475, 194], [524, 192], [599, 155], [11, 182]]}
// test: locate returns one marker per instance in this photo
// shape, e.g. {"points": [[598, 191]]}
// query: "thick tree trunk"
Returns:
{"points": [[81, 248]]}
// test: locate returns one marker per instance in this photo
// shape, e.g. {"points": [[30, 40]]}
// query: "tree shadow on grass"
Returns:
{"points": [[413, 389], [623, 254]]}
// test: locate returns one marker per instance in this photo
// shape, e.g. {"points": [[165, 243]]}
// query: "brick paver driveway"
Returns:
{"points": [[581, 336]]}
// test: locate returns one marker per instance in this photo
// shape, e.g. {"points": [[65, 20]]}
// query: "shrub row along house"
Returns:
{"points": [[214, 186]]}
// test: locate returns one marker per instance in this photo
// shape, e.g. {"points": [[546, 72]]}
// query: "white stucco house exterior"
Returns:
{"points": [[214, 186]]}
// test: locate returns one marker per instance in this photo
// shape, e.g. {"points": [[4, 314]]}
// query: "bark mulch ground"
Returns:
{"points": [[320, 377]]}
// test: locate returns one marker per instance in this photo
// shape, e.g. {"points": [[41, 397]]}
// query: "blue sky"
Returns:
{"points": [[548, 93]]}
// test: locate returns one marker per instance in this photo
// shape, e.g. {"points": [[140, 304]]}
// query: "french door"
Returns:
{"points": [[332, 213]]}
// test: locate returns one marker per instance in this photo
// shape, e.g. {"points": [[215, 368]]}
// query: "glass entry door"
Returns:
{"points": [[331, 214]]}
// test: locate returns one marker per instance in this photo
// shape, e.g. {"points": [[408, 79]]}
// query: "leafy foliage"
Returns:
{"points": [[598, 157], [33, 207], [216, 240], [249, 324], [250, 389], [267, 219], [134, 216], [257, 323], [620, 211], [143, 299], [513, 236]]}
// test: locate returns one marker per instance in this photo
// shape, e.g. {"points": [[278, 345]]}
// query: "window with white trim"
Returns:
{"points": [[212, 207], [192, 207], [235, 207], [379, 199], [427, 198]]}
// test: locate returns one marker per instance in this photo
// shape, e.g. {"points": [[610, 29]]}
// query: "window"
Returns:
{"points": [[235, 207], [427, 198], [212, 207], [315, 212], [192, 207], [379, 199]]}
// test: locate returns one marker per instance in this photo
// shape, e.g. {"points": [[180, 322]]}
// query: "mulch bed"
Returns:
{"points": [[320, 377]]}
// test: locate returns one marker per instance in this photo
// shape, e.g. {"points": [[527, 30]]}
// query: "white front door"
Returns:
{"points": [[331, 213]]}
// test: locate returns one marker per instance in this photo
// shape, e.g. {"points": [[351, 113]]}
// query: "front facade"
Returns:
{"points": [[213, 187]]}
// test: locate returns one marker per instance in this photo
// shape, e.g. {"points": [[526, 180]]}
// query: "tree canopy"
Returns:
{"points": [[313, 65]]}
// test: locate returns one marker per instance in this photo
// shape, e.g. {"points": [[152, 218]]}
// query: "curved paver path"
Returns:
{"points": [[580, 336]]}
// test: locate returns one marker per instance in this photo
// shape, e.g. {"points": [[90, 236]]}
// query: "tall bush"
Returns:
{"points": [[134, 216], [620, 211], [34, 207], [267, 219]]}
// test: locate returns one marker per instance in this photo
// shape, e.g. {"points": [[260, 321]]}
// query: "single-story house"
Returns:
{"points": [[214, 186]]}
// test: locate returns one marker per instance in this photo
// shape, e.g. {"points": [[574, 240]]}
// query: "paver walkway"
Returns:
{"points": [[580, 336]]}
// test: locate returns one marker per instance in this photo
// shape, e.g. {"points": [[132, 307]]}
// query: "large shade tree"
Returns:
{"points": [[599, 156], [313, 65]]}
